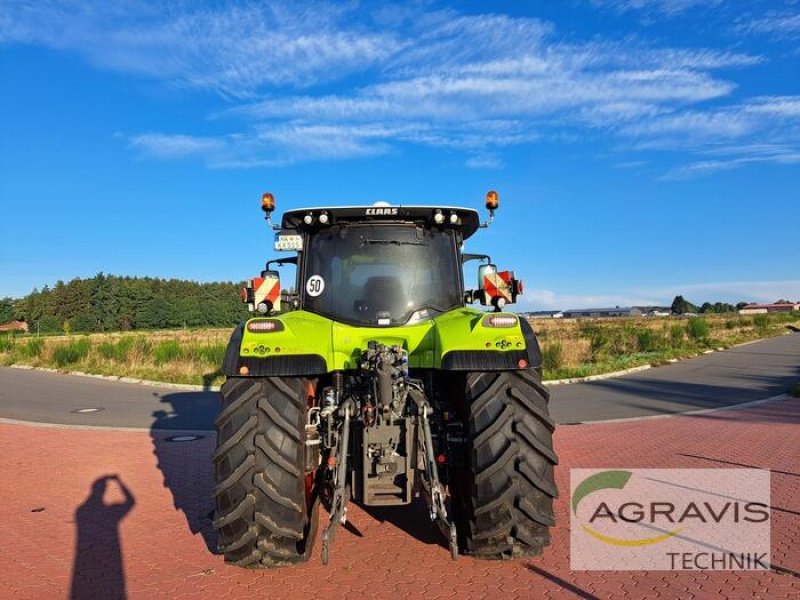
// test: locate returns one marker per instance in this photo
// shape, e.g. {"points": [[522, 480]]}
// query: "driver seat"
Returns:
{"points": [[384, 294]]}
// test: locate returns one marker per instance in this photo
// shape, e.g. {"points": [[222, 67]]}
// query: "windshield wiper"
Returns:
{"points": [[393, 242]]}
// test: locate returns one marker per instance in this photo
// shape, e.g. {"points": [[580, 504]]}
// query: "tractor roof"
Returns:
{"points": [[466, 219]]}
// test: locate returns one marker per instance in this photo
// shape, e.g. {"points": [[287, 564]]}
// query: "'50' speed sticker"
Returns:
{"points": [[315, 285]]}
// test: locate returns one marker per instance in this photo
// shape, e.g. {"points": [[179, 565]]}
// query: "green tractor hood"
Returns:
{"points": [[304, 343]]}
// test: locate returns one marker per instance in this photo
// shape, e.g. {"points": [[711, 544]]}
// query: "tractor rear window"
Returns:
{"points": [[381, 274]]}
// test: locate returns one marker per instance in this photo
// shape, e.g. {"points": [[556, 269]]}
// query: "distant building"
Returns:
{"points": [[760, 309], [655, 311], [546, 314], [15, 326], [617, 311]]}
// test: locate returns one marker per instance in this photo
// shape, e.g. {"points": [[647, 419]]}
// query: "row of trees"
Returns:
{"points": [[108, 302], [681, 306]]}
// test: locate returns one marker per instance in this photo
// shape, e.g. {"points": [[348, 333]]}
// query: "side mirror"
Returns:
{"points": [[263, 294], [497, 288]]}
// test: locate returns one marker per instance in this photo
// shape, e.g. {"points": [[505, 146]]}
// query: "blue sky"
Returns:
{"points": [[641, 148]]}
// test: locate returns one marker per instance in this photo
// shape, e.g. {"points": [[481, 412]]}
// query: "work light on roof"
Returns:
{"points": [[438, 217]]}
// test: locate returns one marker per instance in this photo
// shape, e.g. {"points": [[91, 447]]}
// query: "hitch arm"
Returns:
{"points": [[338, 504], [438, 511]]}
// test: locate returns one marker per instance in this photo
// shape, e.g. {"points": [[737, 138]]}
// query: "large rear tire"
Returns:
{"points": [[503, 498], [266, 511]]}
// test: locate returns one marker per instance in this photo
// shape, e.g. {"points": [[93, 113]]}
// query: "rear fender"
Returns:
{"points": [[297, 343], [466, 343]]}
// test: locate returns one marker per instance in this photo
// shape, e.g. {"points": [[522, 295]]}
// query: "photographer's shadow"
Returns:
{"points": [[98, 568]]}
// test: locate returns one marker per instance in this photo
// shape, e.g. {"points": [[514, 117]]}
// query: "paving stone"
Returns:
{"points": [[160, 548]]}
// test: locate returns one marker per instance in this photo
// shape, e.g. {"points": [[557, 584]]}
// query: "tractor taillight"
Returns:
{"points": [[500, 321], [264, 326]]}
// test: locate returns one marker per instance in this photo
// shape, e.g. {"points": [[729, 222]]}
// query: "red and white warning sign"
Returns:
{"points": [[267, 289], [499, 284]]}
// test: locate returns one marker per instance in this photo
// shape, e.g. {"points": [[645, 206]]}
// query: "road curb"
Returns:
{"points": [[131, 380], [598, 376]]}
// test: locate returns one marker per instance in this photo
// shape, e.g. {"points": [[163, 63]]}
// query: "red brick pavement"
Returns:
{"points": [[159, 549]]}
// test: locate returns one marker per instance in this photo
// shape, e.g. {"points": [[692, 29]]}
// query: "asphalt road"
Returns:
{"points": [[750, 372]]}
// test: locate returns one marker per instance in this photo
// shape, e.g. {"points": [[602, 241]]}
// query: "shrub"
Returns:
{"points": [[730, 324], [620, 340], [116, 350], [210, 353], [646, 340], [676, 335], [598, 338], [697, 328], [67, 354], [142, 346], [167, 351], [33, 348], [6, 343], [553, 356], [761, 322]]}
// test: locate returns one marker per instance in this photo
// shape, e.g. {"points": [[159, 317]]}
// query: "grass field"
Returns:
{"points": [[571, 347], [581, 347]]}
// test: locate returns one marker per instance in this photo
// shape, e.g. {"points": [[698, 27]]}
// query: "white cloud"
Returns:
{"points": [[775, 23], [618, 93], [269, 146], [730, 291], [233, 49], [174, 146], [779, 106], [437, 78], [278, 144], [667, 7], [726, 158], [484, 161]]}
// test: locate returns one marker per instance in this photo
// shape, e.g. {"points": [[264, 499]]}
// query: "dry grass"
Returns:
{"points": [[592, 346], [572, 347], [172, 356]]}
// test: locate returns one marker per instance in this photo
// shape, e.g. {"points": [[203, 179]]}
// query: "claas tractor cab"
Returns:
{"points": [[374, 379]]}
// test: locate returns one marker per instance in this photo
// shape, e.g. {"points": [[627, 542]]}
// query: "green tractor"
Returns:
{"points": [[376, 383]]}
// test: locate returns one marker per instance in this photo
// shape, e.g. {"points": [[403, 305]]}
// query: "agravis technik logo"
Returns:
{"points": [[610, 480], [669, 519]]}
